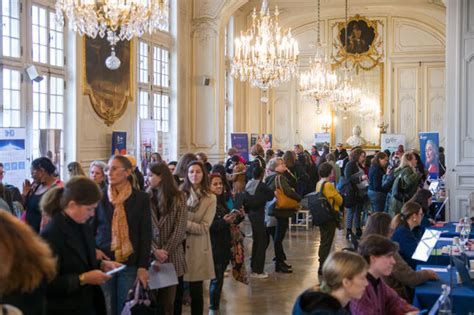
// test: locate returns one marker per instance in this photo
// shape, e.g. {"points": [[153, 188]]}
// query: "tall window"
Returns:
{"points": [[10, 29], [11, 92], [154, 84]]}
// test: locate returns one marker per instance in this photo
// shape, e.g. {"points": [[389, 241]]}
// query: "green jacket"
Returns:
{"points": [[408, 183]]}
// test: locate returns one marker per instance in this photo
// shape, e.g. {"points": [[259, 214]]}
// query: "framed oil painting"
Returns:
{"points": [[359, 45], [109, 90]]}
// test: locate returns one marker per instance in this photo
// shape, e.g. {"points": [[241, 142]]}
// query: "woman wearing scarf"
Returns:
{"points": [[201, 210], [123, 232], [169, 215]]}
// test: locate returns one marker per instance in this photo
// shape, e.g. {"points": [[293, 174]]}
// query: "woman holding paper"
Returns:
{"points": [[169, 215], [403, 225], [75, 289]]}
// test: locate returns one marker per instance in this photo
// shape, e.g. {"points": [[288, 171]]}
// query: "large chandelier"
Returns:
{"points": [[265, 55], [116, 19], [320, 80], [346, 97]]}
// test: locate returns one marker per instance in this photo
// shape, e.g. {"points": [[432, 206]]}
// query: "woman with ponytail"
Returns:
{"points": [[75, 289], [403, 225], [122, 224], [344, 279]]}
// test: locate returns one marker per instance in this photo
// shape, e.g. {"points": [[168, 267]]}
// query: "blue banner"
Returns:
{"points": [[119, 142], [240, 141], [429, 152]]}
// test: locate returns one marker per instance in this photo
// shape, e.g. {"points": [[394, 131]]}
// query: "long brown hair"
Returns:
{"points": [[26, 259], [205, 183], [410, 208], [379, 156], [182, 166], [355, 154], [164, 195], [289, 158], [379, 224], [80, 189]]}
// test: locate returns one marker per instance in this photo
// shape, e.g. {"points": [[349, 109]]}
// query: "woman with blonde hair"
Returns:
{"points": [[97, 171], [26, 265], [344, 279], [75, 169], [405, 184]]}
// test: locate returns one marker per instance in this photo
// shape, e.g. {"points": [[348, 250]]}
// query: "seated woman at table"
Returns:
{"points": [[423, 197], [403, 225], [344, 279], [403, 278], [378, 297]]}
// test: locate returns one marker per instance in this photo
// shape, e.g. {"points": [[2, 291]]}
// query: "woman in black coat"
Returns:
{"points": [[220, 240], [75, 289], [354, 174]]}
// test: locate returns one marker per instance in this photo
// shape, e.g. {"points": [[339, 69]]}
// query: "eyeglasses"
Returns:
{"points": [[113, 169]]}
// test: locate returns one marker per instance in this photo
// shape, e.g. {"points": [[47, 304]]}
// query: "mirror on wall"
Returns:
{"points": [[360, 124]]}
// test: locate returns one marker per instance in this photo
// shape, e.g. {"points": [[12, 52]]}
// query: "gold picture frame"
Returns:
{"points": [[364, 45], [109, 90]]}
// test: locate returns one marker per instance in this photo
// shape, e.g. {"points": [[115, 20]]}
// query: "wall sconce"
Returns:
{"points": [[326, 127], [383, 126]]}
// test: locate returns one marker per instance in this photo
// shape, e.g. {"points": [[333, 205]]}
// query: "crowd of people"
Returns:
{"points": [[59, 240]]}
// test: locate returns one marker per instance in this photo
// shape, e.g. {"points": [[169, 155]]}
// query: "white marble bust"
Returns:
{"points": [[356, 140]]}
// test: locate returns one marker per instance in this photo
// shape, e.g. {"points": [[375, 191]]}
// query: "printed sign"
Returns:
{"points": [[391, 141], [13, 156], [429, 152]]}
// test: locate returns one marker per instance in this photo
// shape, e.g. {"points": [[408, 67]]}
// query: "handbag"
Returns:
{"points": [[321, 210], [139, 302], [349, 193], [282, 200]]}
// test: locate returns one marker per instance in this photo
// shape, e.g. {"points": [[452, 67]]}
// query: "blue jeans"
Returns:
{"points": [[116, 289], [215, 287], [377, 200], [353, 215]]}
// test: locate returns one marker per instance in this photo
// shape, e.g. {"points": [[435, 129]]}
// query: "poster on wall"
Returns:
{"points": [[50, 146], [240, 141], [164, 145], [119, 142], [264, 139], [391, 141], [429, 152], [321, 138], [147, 141], [13, 155]]}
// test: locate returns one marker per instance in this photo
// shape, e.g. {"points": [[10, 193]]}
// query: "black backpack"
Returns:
{"points": [[349, 193], [320, 208]]}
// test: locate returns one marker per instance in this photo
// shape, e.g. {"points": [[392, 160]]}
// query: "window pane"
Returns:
{"points": [[165, 68], [11, 28], [56, 108], [11, 98], [40, 96], [39, 34], [143, 62], [143, 104], [55, 42], [156, 65]]}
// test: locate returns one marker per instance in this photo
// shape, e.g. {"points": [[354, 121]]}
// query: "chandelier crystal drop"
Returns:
{"points": [[346, 97], [117, 20], [320, 80], [266, 55]]}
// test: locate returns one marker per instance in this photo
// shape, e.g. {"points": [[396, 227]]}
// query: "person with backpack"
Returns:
{"points": [[405, 184], [334, 199]]}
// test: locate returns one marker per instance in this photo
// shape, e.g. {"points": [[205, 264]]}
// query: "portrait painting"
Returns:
{"points": [[358, 43], [360, 37], [109, 90]]}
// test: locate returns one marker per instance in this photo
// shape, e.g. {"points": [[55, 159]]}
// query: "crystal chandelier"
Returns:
{"points": [[116, 19], [265, 55], [346, 96], [320, 80]]}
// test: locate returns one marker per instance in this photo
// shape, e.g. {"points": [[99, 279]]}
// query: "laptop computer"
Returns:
{"points": [[463, 272]]}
